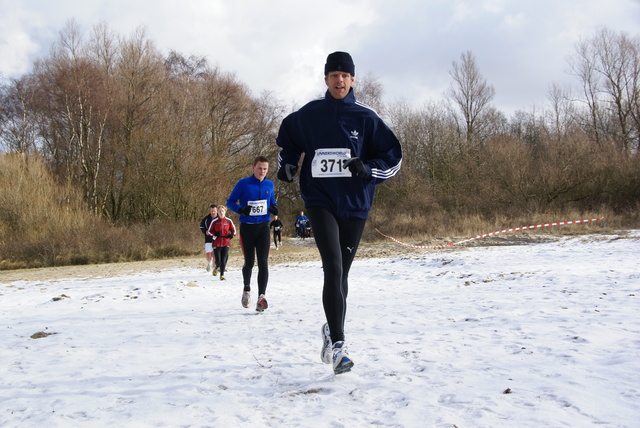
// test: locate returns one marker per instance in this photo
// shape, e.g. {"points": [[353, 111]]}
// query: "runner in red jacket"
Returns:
{"points": [[222, 229]]}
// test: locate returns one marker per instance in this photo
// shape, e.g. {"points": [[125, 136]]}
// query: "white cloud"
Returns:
{"points": [[281, 45], [16, 42]]}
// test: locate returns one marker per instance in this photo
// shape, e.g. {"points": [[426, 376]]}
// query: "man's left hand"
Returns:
{"points": [[357, 167]]}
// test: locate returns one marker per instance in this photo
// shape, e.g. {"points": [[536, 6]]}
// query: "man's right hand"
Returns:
{"points": [[245, 210], [287, 172]]}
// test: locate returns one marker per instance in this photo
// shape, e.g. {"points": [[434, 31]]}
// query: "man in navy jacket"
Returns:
{"points": [[348, 151]]}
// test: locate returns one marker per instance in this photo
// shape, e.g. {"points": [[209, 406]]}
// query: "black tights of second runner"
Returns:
{"points": [[337, 240], [255, 239]]}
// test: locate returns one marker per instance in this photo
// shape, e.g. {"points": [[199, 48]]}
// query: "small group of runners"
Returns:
{"points": [[218, 231]]}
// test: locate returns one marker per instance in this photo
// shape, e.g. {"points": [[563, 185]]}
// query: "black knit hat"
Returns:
{"points": [[340, 61]]}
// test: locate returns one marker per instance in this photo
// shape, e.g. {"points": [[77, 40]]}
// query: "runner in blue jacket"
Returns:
{"points": [[348, 150], [253, 198]]}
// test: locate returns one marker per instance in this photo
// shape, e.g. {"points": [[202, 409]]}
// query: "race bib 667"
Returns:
{"points": [[258, 207]]}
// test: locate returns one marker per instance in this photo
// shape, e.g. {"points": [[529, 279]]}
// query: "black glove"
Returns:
{"points": [[230, 236], [357, 167], [218, 234], [273, 209], [286, 172], [245, 210]]}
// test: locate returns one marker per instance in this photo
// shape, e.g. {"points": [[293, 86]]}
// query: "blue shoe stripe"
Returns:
{"points": [[344, 366]]}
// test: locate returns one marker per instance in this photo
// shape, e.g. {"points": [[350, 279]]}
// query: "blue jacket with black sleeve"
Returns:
{"points": [[329, 132], [258, 194]]}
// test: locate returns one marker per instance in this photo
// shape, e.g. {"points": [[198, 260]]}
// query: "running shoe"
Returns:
{"points": [[208, 267], [262, 303], [246, 295], [215, 271], [326, 354], [341, 361], [222, 278]]}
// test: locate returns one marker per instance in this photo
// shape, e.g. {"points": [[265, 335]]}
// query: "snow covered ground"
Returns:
{"points": [[544, 334]]}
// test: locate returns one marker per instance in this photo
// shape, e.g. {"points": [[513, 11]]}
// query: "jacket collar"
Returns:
{"points": [[350, 98], [254, 179]]}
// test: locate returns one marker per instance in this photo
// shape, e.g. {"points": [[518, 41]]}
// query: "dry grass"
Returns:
{"points": [[443, 227], [44, 224]]}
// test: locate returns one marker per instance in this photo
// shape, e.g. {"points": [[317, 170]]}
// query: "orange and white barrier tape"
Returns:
{"points": [[560, 223]]}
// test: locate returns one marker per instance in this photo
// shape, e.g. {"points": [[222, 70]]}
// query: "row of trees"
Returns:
{"points": [[146, 136]]}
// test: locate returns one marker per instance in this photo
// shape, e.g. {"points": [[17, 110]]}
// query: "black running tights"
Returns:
{"points": [[337, 240], [255, 240], [277, 237], [222, 255]]}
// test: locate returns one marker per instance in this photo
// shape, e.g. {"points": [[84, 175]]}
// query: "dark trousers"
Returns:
{"points": [[337, 240], [255, 243], [222, 255], [216, 257]]}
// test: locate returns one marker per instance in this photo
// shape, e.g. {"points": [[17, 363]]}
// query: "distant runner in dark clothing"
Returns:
{"points": [[277, 227], [208, 239]]}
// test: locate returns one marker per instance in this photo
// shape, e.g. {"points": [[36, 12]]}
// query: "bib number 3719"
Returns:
{"points": [[330, 163]]}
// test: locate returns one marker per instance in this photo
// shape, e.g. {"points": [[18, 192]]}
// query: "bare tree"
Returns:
{"points": [[18, 130], [472, 95], [608, 66], [75, 111], [138, 77], [369, 91], [562, 116]]}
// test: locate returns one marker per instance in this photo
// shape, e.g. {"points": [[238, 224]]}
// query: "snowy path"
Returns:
{"points": [[527, 336]]}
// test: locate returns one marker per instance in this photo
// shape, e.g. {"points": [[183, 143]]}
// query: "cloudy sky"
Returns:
{"points": [[281, 45]]}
